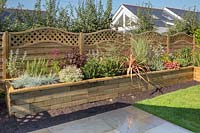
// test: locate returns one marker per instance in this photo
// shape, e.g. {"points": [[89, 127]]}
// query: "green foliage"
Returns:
{"points": [[15, 64], [88, 16], [140, 50], [156, 64], [197, 36], [91, 69], [167, 57], [70, 74], [2, 4], [184, 57], [196, 58], [63, 19], [91, 17], [55, 66], [97, 67], [26, 80], [37, 67], [189, 24], [155, 61], [145, 22], [111, 66]]}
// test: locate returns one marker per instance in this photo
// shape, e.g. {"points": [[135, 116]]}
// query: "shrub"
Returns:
{"points": [[26, 80], [156, 64], [172, 65], [91, 69], [140, 50], [54, 66], [167, 57], [111, 66], [103, 67], [37, 67], [70, 74], [155, 61], [15, 64], [184, 57], [188, 24], [196, 58], [145, 21], [197, 36], [73, 57]]}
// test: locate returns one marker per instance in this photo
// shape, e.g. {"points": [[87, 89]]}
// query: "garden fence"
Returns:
{"points": [[40, 42]]}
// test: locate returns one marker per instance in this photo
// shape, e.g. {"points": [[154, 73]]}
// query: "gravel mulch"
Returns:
{"points": [[55, 117]]}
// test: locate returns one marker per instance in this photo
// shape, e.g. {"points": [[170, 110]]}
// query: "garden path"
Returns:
{"points": [[124, 120]]}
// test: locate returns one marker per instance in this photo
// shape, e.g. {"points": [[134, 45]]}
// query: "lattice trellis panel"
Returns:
{"points": [[43, 35], [181, 37], [111, 48], [104, 35], [153, 37]]}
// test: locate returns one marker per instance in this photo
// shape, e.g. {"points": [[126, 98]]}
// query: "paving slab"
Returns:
{"points": [[167, 128], [124, 120]]}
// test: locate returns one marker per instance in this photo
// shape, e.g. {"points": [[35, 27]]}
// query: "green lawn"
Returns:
{"points": [[181, 107]]}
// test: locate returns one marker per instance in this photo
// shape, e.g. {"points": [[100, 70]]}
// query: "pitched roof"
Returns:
{"points": [[12, 12], [159, 16], [181, 12]]}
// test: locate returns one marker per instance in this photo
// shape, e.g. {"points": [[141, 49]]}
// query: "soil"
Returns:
{"points": [[59, 116]]}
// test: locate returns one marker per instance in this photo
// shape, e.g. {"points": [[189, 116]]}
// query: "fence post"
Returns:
{"points": [[194, 43], [81, 41], [5, 46], [168, 43]]}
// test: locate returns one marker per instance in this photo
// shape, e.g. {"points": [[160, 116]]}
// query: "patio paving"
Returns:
{"points": [[124, 120]]}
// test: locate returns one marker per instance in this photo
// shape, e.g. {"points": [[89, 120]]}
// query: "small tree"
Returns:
{"points": [[39, 20], [145, 20], [91, 17], [51, 12], [2, 4], [63, 20], [189, 24]]}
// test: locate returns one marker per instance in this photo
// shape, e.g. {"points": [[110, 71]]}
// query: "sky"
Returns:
{"points": [[182, 4]]}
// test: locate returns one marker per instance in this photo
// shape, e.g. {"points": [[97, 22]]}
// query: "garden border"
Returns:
{"points": [[21, 102]]}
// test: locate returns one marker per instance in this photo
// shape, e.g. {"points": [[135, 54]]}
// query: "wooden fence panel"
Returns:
{"points": [[42, 42], [1, 60], [103, 41], [180, 40], [153, 38]]}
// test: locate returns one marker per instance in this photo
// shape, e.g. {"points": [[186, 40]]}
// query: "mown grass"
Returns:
{"points": [[181, 107]]}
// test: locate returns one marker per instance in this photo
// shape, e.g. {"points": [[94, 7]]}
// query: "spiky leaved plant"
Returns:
{"points": [[137, 63], [37, 67]]}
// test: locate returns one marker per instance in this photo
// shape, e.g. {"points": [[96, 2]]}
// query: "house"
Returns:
{"points": [[12, 13], [126, 17]]}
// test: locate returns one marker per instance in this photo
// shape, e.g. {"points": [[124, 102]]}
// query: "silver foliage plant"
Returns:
{"points": [[70, 74], [26, 80], [15, 64]]}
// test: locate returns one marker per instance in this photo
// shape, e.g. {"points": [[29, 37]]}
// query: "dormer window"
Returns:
{"points": [[154, 17], [168, 17]]}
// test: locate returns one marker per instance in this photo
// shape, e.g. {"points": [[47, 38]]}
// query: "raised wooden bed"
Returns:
{"points": [[42, 98], [197, 73]]}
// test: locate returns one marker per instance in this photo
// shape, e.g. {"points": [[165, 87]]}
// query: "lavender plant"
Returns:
{"points": [[16, 64]]}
